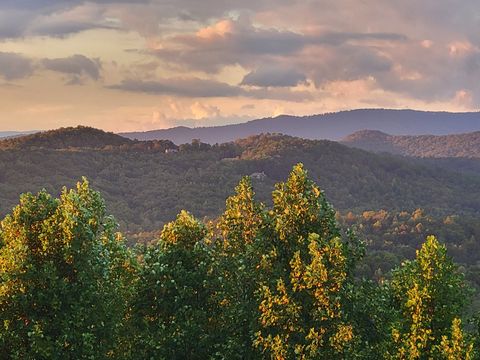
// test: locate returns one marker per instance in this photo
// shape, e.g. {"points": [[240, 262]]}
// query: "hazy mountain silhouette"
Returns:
{"points": [[10, 134], [333, 126]]}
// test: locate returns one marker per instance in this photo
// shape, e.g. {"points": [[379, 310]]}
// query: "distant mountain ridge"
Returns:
{"points": [[332, 126], [64, 138], [445, 146], [10, 134], [81, 137]]}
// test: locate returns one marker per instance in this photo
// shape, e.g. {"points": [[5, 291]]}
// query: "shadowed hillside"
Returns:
{"points": [[457, 145]]}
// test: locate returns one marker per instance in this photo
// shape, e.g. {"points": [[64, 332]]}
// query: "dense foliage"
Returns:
{"points": [[394, 236], [446, 146], [174, 315], [277, 282], [65, 278], [430, 293], [147, 188], [301, 313]]}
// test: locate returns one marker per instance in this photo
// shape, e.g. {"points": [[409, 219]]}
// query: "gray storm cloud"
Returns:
{"points": [[76, 66], [15, 66], [191, 87], [272, 76], [200, 88]]}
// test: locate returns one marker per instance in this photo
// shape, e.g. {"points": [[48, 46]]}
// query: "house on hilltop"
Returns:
{"points": [[259, 176]]}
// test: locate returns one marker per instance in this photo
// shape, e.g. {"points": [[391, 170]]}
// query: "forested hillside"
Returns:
{"points": [[65, 138], [145, 187], [80, 138], [455, 145]]}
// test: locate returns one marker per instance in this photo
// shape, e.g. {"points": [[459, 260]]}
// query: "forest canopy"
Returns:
{"points": [[277, 281], [145, 187]]}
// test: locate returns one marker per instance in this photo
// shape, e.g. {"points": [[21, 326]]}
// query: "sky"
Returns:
{"points": [[125, 65]]}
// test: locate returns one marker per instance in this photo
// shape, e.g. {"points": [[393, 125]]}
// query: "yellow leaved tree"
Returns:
{"points": [[301, 314], [431, 293]]}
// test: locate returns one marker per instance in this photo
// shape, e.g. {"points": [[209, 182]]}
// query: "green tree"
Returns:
{"points": [[174, 315], [431, 293], [239, 241], [455, 346], [301, 313], [65, 278]]}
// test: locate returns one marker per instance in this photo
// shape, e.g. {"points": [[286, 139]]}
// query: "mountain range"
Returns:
{"points": [[332, 126], [146, 186]]}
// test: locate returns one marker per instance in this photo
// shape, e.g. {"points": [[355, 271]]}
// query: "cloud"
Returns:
{"points": [[203, 111], [63, 28], [343, 63], [320, 56], [148, 17], [226, 43], [13, 23], [338, 38], [73, 20], [280, 93], [20, 19], [464, 99], [436, 72], [202, 88], [76, 66], [15, 66], [44, 6], [271, 76], [186, 87], [230, 42]]}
